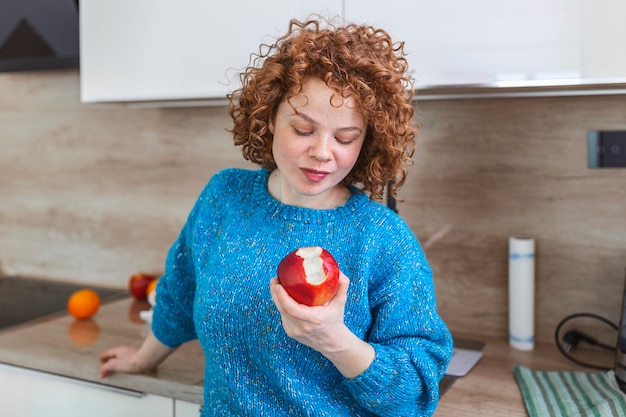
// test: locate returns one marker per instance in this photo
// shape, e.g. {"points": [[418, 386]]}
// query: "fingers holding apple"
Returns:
{"points": [[286, 304], [318, 327]]}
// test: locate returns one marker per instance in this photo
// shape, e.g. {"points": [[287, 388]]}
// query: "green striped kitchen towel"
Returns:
{"points": [[570, 393]]}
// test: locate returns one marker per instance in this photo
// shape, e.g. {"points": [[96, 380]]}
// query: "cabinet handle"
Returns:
{"points": [[118, 390]]}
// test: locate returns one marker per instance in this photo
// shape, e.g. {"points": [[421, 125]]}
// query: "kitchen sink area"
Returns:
{"points": [[24, 299], [43, 349]]}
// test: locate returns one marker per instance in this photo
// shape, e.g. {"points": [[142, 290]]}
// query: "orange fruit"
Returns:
{"points": [[152, 286], [83, 304]]}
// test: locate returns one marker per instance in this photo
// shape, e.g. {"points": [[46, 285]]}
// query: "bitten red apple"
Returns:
{"points": [[138, 284], [310, 275]]}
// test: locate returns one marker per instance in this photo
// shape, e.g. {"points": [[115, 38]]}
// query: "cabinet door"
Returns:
{"points": [[452, 42], [186, 409], [184, 49], [27, 393]]}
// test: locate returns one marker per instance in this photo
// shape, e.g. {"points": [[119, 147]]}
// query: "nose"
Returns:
{"points": [[320, 147]]}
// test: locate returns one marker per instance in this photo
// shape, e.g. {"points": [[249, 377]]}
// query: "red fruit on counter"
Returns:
{"points": [[310, 275], [138, 284]]}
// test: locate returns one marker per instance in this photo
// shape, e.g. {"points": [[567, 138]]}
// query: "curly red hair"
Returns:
{"points": [[354, 60]]}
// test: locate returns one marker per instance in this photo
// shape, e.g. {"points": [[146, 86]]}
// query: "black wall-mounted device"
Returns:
{"points": [[607, 149]]}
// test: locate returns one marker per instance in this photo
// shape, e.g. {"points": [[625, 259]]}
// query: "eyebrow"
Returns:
{"points": [[311, 120]]}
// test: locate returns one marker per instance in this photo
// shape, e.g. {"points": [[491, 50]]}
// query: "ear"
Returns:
{"points": [[271, 125]]}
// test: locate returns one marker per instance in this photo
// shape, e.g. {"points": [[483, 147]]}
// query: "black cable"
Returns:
{"points": [[573, 337]]}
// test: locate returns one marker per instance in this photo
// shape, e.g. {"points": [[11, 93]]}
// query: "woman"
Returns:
{"points": [[326, 112]]}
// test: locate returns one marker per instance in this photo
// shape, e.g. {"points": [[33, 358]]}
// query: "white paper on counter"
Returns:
{"points": [[463, 360]]}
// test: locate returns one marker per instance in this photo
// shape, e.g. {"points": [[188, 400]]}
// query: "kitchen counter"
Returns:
{"points": [[61, 345], [64, 346], [490, 389]]}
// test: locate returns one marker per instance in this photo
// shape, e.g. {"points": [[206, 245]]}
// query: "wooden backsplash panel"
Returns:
{"points": [[92, 193], [489, 169]]}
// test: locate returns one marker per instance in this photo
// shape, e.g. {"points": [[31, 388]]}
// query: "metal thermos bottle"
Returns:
{"points": [[620, 354]]}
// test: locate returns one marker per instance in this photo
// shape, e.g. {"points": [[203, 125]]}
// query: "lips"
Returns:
{"points": [[314, 175]]}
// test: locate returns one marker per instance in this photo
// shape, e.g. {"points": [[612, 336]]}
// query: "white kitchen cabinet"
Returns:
{"points": [[504, 43], [194, 50], [186, 409], [177, 50], [28, 393]]}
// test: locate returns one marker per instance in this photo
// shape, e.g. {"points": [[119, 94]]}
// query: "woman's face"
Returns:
{"points": [[317, 139]]}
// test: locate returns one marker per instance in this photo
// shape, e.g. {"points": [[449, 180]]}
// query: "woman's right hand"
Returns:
{"points": [[119, 359], [132, 360]]}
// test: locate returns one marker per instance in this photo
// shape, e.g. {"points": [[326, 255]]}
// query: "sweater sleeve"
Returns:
{"points": [[172, 321], [173, 318], [413, 345]]}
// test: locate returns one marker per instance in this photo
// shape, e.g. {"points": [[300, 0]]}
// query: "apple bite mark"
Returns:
{"points": [[313, 264]]}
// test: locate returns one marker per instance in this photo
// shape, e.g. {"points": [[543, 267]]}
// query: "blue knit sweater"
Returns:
{"points": [[216, 288]]}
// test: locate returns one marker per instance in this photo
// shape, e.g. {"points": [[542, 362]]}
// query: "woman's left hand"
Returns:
{"points": [[314, 326], [322, 328]]}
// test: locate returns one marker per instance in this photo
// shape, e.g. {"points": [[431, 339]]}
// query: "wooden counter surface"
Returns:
{"points": [[64, 346], [490, 389]]}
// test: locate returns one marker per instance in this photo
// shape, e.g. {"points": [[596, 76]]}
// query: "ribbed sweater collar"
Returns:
{"points": [[276, 209]]}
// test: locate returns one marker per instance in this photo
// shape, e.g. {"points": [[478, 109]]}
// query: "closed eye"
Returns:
{"points": [[302, 132], [344, 141]]}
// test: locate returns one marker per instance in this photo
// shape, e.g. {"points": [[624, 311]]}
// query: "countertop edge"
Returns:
{"points": [[45, 346]]}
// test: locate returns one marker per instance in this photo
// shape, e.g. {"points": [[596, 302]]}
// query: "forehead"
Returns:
{"points": [[315, 92]]}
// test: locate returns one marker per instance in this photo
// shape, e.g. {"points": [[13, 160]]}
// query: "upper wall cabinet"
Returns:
{"points": [[144, 50], [504, 43]]}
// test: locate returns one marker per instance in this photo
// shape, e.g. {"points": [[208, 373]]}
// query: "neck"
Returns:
{"points": [[277, 187]]}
